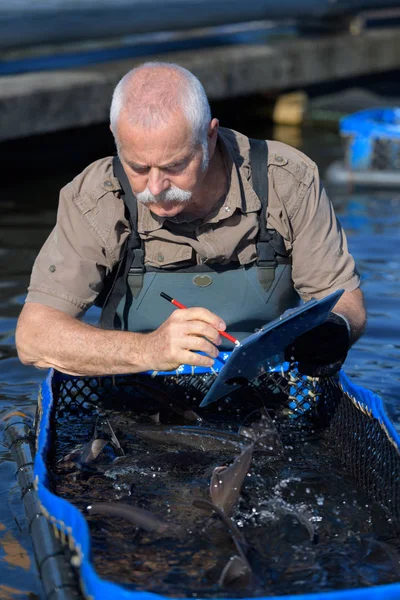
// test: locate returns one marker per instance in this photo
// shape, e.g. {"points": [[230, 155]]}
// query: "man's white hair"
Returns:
{"points": [[151, 105]]}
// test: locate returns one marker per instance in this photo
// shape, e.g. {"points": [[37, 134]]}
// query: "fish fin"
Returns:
{"points": [[226, 482], [236, 571], [190, 415], [264, 433], [304, 519], [155, 418], [114, 440], [92, 450], [237, 537], [247, 432]]}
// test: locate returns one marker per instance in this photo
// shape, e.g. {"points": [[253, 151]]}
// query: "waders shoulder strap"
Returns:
{"points": [[131, 267], [269, 242]]}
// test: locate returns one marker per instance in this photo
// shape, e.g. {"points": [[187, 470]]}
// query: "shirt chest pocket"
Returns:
{"points": [[167, 254]]}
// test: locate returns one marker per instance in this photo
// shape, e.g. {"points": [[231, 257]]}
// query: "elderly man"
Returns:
{"points": [[236, 229]]}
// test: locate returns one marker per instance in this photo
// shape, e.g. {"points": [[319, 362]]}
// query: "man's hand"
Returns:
{"points": [[181, 336], [46, 337]]}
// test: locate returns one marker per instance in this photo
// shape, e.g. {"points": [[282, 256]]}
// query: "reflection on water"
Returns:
{"points": [[35, 169]]}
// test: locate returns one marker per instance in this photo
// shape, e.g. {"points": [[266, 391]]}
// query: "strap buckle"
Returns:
{"points": [[136, 272]]}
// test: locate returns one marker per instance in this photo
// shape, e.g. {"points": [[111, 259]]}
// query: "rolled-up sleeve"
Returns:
{"points": [[69, 271], [321, 259]]}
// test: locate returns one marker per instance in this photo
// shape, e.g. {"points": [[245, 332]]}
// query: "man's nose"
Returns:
{"points": [[157, 182]]}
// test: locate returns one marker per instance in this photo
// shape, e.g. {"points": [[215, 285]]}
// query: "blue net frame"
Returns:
{"points": [[72, 529], [373, 139]]}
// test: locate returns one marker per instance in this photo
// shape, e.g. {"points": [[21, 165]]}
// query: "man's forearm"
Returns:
{"points": [[46, 338], [351, 306]]}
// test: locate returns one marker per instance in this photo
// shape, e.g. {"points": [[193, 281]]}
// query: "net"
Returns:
{"points": [[351, 419], [372, 139]]}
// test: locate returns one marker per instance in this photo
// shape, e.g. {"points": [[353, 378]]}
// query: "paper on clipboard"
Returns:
{"points": [[260, 351]]}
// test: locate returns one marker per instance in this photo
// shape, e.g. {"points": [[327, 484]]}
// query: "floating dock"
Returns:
{"points": [[45, 101]]}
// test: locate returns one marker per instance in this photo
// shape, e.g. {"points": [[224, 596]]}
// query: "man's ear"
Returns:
{"points": [[212, 136]]}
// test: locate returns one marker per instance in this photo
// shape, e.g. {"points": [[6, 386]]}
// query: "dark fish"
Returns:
{"points": [[195, 437], [226, 482], [302, 517], [166, 400], [114, 440], [264, 433], [231, 526], [237, 568], [92, 450], [137, 516], [94, 447], [235, 571]]}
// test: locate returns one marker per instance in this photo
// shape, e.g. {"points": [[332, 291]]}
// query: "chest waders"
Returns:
{"points": [[246, 297]]}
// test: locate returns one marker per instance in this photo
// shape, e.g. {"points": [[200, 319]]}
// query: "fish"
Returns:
{"points": [[226, 482], [166, 400], [92, 450], [237, 537], [88, 453], [209, 440], [139, 517], [264, 433], [238, 567], [277, 506], [235, 571]]}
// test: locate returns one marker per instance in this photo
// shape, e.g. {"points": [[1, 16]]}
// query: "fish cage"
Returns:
{"points": [[351, 420], [372, 149]]}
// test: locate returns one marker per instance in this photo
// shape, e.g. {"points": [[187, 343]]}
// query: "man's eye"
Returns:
{"points": [[138, 169], [175, 168]]}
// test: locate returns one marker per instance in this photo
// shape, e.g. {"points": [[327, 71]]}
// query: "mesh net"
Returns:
{"points": [[363, 444], [285, 391], [351, 430], [385, 154]]}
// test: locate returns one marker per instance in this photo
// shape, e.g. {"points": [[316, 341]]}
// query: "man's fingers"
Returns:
{"points": [[196, 360], [198, 313], [200, 328], [194, 342]]}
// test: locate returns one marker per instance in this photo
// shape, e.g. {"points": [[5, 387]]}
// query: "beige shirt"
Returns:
{"points": [[91, 229]]}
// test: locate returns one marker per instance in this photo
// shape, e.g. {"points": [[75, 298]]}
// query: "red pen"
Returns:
{"points": [[179, 305]]}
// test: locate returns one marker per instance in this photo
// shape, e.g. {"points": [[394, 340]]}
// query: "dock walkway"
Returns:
{"points": [[39, 102]]}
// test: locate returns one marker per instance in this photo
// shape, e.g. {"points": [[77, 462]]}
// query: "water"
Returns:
{"points": [[34, 170], [305, 532]]}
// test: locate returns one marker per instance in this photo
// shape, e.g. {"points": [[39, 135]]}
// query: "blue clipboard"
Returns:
{"points": [[261, 351]]}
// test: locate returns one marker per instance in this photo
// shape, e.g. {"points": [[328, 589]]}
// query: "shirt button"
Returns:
{"points": [[228, 208], [52, 268], [279, 159], [160, 257], [108, 183]]}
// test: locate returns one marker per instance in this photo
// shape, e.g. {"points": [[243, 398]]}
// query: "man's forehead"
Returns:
{"points": [[175, 123], [137, 143]]}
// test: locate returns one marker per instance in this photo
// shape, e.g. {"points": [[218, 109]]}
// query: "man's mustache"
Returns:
{"points": [[172, 194]]}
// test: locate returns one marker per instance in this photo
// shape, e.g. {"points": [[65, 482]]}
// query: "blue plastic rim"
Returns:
{"points": [[374, 121], [69, 519], [363, 128]]}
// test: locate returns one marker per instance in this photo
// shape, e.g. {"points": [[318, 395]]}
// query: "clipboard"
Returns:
{"points": [[260, 352]]}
